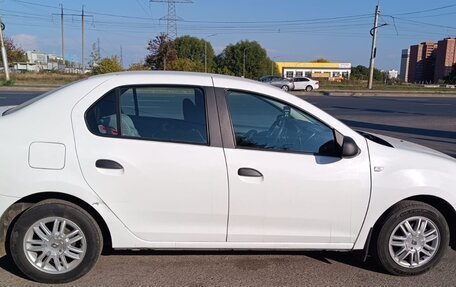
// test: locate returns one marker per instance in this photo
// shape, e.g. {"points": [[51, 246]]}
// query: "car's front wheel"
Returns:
{"points": [[309, 88], [285, 88], [55, 242], [413, 239]]}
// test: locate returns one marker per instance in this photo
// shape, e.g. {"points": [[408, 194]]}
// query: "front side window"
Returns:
{"points": [[175, 114], [263, 123]]}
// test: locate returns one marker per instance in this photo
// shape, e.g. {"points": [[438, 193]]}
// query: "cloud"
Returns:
{"points": [[26, 42]]}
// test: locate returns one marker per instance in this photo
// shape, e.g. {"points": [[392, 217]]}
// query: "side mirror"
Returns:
{"points": [[349, 148]]}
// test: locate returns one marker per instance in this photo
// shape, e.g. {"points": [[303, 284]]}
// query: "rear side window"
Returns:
{"points": [[174, 114]]}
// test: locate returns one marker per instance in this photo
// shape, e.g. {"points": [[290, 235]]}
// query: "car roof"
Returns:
{"points": [[195, 75]]}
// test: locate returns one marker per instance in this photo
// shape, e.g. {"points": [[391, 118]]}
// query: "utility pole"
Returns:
{"points": [[272, 65], [62, 36], [121, 57], [4, 56], [373, 32], [83, 40], [82, 15], [205, 51], [98, 48], [243, 66], [205, 56]]}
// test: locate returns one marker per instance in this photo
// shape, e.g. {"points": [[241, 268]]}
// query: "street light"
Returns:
{"points": [[243, 66], [272, 65], [205, 51], [4, 56]]}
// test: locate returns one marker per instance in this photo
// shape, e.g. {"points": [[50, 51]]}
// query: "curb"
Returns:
{"points": [[332, 93], [27, 88], [414, 94]]}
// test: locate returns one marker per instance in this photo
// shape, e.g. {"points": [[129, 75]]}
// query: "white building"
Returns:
{"points": [[37, 61], [393, 74], [405, 58]]}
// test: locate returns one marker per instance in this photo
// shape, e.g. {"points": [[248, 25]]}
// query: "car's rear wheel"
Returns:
{"points": [[309, 88], [285, 88], [55, 242], [413, 239]]}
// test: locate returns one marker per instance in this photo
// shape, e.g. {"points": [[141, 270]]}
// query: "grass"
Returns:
{"points": [[353, 85], [43, 79], [8, 83]]}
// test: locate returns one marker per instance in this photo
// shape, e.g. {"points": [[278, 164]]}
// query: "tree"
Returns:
{"points": [[14, 52], [451, 79], [257, 63], [107, 65], [361, 72], [185, 65], [321, 60], [138, 67], [195, 50], [162, 51]]}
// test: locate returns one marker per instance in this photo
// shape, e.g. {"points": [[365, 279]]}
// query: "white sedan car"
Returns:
{"points": [[307, 84], [169, 160]]}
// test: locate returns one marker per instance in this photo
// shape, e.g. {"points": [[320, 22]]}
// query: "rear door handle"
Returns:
{"points": [[250, 172], [108, 164]]}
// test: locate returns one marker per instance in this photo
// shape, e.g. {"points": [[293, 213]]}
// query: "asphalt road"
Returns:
{"points": [[423, 120], [428, 121]]}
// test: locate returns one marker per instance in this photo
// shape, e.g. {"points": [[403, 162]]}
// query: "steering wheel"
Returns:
{"points": [[250, 136]]}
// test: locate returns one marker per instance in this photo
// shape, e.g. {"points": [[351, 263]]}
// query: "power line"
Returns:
{"points": [[427, 10], [424, 23], [171, 18], [142, 7], [82, 15], [204, 22]]}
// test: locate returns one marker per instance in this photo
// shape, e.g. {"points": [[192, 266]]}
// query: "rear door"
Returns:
{"points": [[160, 168], [301, 83]]}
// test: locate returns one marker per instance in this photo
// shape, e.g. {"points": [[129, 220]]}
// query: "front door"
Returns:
{"points": [[287, 182], [145, 151]]}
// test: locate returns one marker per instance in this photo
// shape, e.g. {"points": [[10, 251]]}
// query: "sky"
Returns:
{"points": [[290, 30]]}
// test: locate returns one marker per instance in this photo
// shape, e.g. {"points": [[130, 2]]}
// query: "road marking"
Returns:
{"points": [[431, 104]]}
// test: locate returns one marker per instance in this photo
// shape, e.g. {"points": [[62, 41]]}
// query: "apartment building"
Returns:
{"points": [[445, 58]]}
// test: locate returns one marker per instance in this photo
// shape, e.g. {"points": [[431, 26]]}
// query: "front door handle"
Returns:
{"points": [[250, 172], [108, 164]]}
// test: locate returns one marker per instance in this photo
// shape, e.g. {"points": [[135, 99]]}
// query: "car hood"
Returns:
{"points": [[4, 109], [409, 146]]}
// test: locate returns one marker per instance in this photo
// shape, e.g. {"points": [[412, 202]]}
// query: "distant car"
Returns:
{"points": [[280, 82], [304, 83], [173, 160]]}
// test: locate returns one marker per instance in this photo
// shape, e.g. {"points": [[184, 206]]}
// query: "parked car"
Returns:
{"points": [[280, 82], [148, 160], [304, 83]]}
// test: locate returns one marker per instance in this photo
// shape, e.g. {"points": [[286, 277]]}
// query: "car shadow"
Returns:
{"points": [[354, 259], [7, 264]]}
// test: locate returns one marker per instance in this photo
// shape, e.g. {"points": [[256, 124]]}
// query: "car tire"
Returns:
{"points": [[55, 241], [285, 88], [309, 88], [402, 246]]}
